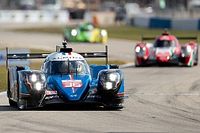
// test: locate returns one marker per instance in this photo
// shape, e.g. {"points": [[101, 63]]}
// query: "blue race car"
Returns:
{"points": [[65, 77]]}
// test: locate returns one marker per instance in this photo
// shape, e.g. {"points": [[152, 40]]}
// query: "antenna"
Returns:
{"points": [[64, 43], [166, 32]]}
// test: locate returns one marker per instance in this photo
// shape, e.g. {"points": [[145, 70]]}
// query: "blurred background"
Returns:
{"points": [[107, 12]]}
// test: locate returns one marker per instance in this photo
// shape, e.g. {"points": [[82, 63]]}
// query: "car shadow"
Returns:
{"points": [[59, 107], [7, 108]]}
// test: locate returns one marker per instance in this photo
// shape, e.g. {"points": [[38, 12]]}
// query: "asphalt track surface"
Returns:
{"points": [[160, 99]]}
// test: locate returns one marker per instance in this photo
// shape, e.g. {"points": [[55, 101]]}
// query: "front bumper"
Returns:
{"points": [[147, 62], [48, 99]]}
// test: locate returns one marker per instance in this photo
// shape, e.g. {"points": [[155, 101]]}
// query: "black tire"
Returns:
{"points": [[196, 57], [8, 85], [136, 64], [22, 104], [12, 103], [116, 107]]}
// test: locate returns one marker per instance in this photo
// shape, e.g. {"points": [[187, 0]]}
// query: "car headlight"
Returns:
{"points": [[33, 78], [103, 32], [137, 49], [110, 80], [36, 80], [189, 49], [74, 32], [114, 77], [108, 85], [38, 86]]}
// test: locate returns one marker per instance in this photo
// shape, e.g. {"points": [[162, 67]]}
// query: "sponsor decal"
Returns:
{"points": [[47, 92], [72, 83]]}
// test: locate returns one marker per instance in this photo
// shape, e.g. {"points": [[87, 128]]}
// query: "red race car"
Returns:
{"points": [[166, 49]]}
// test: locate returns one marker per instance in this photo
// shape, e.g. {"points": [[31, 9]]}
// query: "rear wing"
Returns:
{"points": [[146, 38], [23, 56], [102, 54]]}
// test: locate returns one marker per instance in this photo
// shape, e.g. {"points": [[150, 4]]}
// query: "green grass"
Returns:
{"points": [[135, 33], [39, 51], [52, 29], [3, 75], [120, 32]]}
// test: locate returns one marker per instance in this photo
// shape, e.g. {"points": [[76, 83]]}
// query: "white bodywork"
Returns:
{"points": [[64, 56]]}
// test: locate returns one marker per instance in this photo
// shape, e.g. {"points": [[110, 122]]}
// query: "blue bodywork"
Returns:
{"points": [[88, 92], [65, 77]]}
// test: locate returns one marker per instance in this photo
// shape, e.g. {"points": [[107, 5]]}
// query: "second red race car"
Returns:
{"points": [[166, 50]]}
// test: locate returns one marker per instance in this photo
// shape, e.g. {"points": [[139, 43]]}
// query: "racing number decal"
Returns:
{"points": [[72, 83]]}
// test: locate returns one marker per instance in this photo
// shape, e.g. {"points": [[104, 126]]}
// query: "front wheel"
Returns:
{"points": [[22, 104], [137, 64], [118, 107], [12, 103], [196, 57]]}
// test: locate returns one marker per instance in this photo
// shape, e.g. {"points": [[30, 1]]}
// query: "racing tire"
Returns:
{"points": [[22, 104], [136, 64], [12, 103], [192, 64], [196, 57], [8, 85], [115, 107]]}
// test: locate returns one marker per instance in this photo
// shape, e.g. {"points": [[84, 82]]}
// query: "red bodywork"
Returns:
{"points": [[146, 53]]}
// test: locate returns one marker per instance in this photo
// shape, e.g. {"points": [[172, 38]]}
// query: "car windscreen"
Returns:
{"points": [[67, 67], [86, 27], [164, 43]]}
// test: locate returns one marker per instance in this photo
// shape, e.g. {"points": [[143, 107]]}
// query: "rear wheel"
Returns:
{"points": [[11, 102], [8, 85]]}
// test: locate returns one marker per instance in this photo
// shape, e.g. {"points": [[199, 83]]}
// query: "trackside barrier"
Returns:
{"points": [[141, 21], [33, 16], [185, 24], [157, 22]]}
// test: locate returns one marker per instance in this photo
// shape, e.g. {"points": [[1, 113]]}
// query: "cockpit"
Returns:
{"points": [[164, 43], [66, 67], [86, 27]]}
